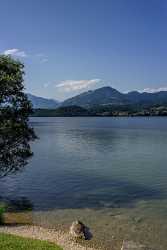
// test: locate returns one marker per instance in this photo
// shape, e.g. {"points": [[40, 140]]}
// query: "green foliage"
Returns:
{"points": [[2, 211], [103, 110], [10, 242], [15, 131], [62, 111]]}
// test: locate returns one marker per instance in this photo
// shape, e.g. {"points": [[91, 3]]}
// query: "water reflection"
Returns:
{"points": [[111, 193], [17, 204], [15, 151], [13, 158], [81, 166]]}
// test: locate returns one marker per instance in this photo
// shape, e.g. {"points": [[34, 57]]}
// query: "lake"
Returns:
{"points": [[111, 173]]}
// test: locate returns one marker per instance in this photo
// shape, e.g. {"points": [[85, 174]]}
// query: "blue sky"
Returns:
{"points": [[70, 46]]}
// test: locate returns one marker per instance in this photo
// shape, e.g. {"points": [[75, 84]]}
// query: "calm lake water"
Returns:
{"points": [[109, 172]]}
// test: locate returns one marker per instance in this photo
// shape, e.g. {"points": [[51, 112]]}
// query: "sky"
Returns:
{"points": [[71, 46]]}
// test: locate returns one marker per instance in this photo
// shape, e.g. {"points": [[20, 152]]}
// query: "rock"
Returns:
{"points": [[130, 245], [77, 230]]}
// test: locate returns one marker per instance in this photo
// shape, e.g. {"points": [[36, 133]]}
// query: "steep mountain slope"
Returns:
{"points": [[43, 103]]}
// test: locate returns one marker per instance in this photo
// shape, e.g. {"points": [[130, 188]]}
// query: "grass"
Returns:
{"points": [[10, 242]]}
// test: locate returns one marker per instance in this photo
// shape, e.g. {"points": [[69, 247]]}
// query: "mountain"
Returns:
{"points": [[42, 103], [101, 96], [105, 96], [110, 96], [157, 98]]}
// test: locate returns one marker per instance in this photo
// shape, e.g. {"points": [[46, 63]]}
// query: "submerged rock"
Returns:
{"points": [[77, 230]]}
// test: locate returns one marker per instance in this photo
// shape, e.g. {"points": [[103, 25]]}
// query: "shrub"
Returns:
{"points": [[2, 211]]}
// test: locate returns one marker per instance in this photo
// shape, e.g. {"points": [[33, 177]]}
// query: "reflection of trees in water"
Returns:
{"points": [[17, 204], [14, 152]]}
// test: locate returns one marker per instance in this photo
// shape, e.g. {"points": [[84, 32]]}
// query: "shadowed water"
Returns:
{"points": [[96, 167]]}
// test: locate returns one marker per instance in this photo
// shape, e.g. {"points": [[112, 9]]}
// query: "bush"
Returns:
{"points": [[2, 211]]}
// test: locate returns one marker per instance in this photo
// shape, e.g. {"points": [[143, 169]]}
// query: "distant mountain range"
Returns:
{"points": [[106, 96], [110, 96], [42, 103]]}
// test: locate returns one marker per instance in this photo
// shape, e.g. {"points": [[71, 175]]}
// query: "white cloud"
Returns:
{"points": [[75, 85], [153, 90], [15, 52]]}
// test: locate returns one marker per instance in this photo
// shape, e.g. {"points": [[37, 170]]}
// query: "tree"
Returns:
{"points": [[15, 108]]}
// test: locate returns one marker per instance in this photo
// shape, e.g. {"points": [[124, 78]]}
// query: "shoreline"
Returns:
{"points": [[60, 238]]}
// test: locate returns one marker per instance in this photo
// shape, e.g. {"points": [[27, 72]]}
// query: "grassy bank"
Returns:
{"points": [[10, 242]]}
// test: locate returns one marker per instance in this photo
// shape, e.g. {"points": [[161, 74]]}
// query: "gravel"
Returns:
{"points": [[35, 232]]}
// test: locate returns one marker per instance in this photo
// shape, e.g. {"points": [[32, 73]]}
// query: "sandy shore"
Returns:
{"points": [[35, 232]]}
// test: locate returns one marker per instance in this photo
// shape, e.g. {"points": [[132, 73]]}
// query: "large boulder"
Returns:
{"points": [[77, 229]]}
